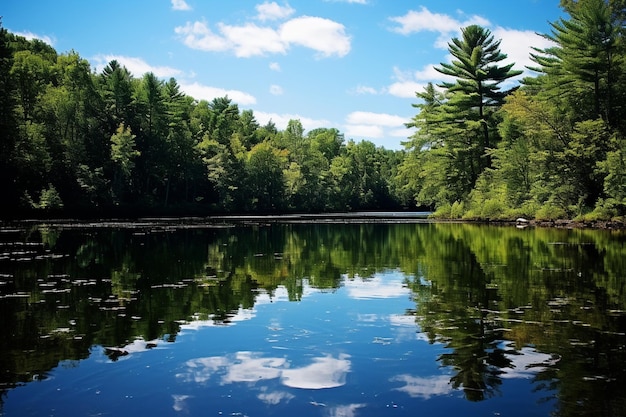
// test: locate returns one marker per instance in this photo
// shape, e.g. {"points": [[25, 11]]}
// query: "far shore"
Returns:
{"points": [[222, 220]]}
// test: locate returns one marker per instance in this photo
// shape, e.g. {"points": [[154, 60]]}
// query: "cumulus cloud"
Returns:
{"points": [[382, 119], [407, 83], [137, 66], [180, 5], [205, 92], [362, 124], [273, 11], [405, 88], [424, 20], [198, 35], [282, 119], [250, 40], [364, 131], [324, 36], [30, 36], [517, 45]]}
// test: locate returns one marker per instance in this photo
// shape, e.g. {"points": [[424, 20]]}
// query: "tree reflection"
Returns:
{"points": [[487, 293], [456, 314]]}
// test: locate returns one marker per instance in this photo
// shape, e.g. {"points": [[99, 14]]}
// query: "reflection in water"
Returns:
{"points": [[376, 287], [421, 387], [496, 306], [252, 367]]}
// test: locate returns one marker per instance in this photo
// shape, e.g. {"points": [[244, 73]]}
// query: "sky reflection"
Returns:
{"points": [[251, 367], [390, 285]]}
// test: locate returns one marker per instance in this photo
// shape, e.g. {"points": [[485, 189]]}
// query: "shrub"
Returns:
{"points": [[550, 211], [456, 211], [604, 210], [50, 199], [442, 212], [493, 209]]}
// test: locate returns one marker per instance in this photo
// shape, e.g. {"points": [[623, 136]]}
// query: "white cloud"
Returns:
{"points": [[281, 120], [369, 125], [517, 44], [30, 36], [403, 132], [275, 66], [348, 1], [380, 119], [180, 5], [324, 36], [137, 66], [250, 40], [273, 11], [364, 131], [428, 73], [276, 90], [197, 35], [205, 92], [426, 21], [405, 89], [410, 82]]}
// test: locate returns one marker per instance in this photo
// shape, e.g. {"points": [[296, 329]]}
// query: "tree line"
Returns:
{"points": [[79, 141], [76, 140]]}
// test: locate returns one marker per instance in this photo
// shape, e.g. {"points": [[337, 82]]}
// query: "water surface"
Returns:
{"points": [[311, 320]]}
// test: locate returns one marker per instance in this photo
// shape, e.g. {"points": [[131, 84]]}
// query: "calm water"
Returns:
{"points": [[311, 320]]}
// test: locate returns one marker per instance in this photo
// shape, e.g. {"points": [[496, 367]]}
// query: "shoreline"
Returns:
{"points": [[302, 218]]}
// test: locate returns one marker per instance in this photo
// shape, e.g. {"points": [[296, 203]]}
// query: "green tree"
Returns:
{"points": [[123, 154], [478, 78], [586, 65], [265, 177], [8, 126], [457, 127], [115, 86]]}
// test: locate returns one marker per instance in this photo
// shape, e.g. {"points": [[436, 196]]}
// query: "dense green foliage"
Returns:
{"points": [[80, 142], [485, 147], [553, 148]]}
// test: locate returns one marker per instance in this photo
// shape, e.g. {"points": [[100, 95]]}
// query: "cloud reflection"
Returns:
{"points": [[425, 388], [380, 286], [276, 397], [325, 372], [251, 367], [348, 410], [527, 363], [180, 402]]}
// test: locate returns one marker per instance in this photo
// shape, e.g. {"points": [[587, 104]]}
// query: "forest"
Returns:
{"points": [[75, 142]]}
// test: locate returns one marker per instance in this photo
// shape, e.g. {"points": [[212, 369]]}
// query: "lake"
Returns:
{"points": [[311, 318]]}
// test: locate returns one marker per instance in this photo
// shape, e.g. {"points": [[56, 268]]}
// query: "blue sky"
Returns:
{"points": [[354, 65]]}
